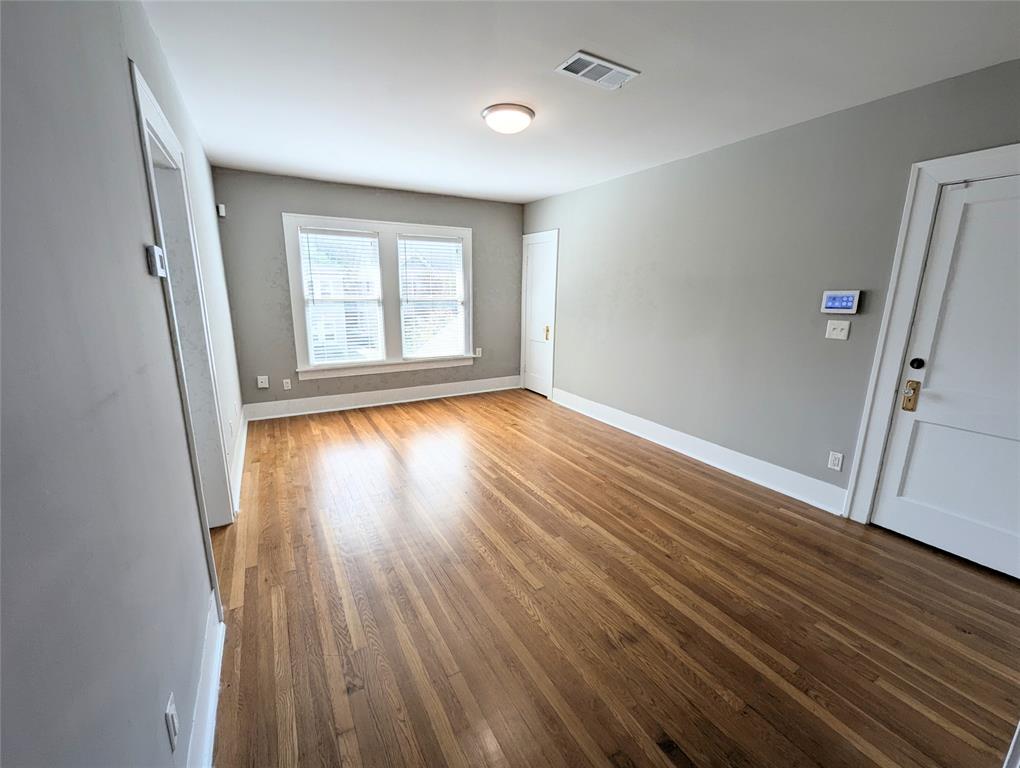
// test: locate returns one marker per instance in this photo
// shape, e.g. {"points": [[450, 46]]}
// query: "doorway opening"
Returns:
{"points": [[173, 261]]}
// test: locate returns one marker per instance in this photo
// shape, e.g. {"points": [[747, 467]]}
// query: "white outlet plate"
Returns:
{"points": [[262, 382], [286, 383], [836, 461], [838, 330], [478, 351]]}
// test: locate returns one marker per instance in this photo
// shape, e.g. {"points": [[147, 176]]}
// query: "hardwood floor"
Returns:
{"points": [[494, 580]]}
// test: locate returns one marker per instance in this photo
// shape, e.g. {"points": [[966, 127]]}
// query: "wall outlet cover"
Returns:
{"points": [[286, 383], [262, 382], [836, 461], [838, 330]]}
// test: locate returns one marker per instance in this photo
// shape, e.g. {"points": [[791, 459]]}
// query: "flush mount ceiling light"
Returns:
{"points": [[508, 118]]}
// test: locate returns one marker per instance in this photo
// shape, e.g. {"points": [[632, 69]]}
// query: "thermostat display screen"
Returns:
{"points": [[840, 302]]}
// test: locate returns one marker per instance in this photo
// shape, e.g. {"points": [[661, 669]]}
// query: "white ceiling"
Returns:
{"points": [[389, 94]]}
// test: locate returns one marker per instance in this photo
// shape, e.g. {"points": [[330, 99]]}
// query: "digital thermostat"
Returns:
{"points": [[840, 302]]}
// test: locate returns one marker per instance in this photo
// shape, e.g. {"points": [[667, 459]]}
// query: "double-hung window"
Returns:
{"points": [[373, 296], [342, 296], [432, 320]]}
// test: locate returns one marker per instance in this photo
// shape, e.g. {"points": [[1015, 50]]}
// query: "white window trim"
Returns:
{"points": [[387, 231]]}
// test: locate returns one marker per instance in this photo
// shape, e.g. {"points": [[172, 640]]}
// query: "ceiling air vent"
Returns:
{"points": [[597, 71]]}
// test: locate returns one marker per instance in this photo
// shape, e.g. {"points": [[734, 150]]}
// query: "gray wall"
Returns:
{"points": [[689, 293], [256, 264], [104, 582]]}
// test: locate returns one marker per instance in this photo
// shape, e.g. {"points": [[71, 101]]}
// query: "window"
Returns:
{"points": [[343, 296], [372, 296], [431, 296]]}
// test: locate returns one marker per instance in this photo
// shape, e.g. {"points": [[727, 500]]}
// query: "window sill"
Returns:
{"points": [[383, 367]]}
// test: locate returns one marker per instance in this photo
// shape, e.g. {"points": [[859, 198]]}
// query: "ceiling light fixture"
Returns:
{"points": [[508, 118]]}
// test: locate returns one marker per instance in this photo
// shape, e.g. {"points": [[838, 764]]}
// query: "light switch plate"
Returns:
{"points": [[837, 329], [173, 724], [156, 259], [262, 382]]}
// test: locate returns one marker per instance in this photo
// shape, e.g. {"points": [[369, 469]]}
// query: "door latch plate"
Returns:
{"points": [[911, 390]]}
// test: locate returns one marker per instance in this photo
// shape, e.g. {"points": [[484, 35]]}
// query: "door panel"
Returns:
{"points": [[539, 310], [951, 475]]}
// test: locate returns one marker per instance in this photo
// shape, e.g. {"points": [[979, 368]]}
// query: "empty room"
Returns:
{"points": [[510, 384]]}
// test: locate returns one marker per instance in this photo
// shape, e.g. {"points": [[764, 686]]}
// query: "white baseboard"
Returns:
{"points": [[237, 461], [807, 489], [203, 724], [275, 409], [1013, 755]]}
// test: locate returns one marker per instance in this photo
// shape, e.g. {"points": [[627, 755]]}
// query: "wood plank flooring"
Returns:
{"points": [[494, 580]]}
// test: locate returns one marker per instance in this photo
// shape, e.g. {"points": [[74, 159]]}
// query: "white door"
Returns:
{"points": [[539, 310], [951, 474]]}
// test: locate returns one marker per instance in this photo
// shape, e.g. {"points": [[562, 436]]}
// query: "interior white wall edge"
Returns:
{"points": [[237, 461], [275, 409], [807, 489], [203, 722]]}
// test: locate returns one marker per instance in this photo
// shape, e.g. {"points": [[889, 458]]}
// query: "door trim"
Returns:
{"points": [[153, 124], [546, 236], [924, 188]]}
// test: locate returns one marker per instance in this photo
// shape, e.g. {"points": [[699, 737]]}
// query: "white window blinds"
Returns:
{"points": [[432, 315], [343, 296]]}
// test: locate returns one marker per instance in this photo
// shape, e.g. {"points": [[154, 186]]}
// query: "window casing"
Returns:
{"points": [[375, 296]]}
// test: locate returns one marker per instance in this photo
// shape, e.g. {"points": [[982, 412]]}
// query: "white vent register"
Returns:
{"points": [[597, 71]]}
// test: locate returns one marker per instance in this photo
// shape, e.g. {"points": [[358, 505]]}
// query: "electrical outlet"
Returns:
{"points": [[262, 382], [836, 461], [286, 383], [838, 330], [478, 351], [173, 724]]}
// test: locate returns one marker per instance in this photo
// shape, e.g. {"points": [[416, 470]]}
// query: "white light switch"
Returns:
{"points": [[837, 329], [173, 724]]}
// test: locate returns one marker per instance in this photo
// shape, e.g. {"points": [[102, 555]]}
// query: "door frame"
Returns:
{"points": [[924, 188], [153, 125], [548, 235]]}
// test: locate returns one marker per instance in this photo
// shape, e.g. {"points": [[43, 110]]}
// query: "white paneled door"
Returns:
{"points": [[951, 474], [539, 311]]}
